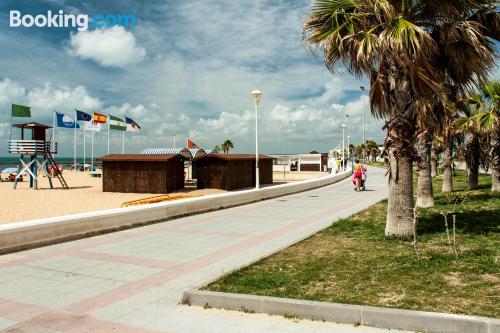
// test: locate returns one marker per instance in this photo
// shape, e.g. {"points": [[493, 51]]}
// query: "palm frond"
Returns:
{"points": [[468, 53]]}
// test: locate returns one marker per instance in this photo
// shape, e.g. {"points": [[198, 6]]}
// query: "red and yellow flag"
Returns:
{"points": [[99, 118]]}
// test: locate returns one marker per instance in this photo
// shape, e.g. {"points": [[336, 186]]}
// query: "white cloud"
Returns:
{"points": [[11, 92], [4, 130], [63, 98], [113, 47]]}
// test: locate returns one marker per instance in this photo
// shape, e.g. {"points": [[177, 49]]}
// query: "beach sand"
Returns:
{"points": [[85, 195]]}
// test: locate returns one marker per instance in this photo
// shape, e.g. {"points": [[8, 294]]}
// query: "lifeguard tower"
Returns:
{"points": [[34, 148]]}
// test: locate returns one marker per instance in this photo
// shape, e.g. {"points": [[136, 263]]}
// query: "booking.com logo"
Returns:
{"points": [[61, 20]]}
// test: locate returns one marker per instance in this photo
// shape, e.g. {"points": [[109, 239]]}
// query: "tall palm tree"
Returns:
{"points": [[227, 145], [490, 123], [468, 122], [407, 48]]}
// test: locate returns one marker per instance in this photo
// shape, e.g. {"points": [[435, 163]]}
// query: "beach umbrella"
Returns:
{"points": [[9, 170]]}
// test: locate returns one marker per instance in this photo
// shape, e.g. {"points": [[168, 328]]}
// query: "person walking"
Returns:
{"points": [[357, 177]]}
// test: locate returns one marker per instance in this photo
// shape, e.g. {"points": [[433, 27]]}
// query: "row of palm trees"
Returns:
{"points": [[421, 56], [469, 133]]}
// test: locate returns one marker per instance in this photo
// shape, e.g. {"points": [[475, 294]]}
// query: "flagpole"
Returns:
{"points": [[54, 125], [123, 134], [74, 145], [174, 140], [92, 140], [109, 127], [11, 124], [92, 150], [84, 144]]}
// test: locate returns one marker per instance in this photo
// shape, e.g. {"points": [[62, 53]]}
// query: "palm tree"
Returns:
{"points": [[227, 145], [490, 122], [407, 48], [358, 151], [447, 136], [425, 196], [371, 148], [468, 122]]}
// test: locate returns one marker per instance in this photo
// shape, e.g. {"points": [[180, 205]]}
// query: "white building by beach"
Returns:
{"points": [[313, 161]]}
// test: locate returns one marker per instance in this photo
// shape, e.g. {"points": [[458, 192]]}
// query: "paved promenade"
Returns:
{"points": [[132, 281]]}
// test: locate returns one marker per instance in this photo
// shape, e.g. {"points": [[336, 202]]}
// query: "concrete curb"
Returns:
{"points": [[345, 313], [29, 234]]}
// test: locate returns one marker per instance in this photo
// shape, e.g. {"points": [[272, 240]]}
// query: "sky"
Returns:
{"points": [[186, 67]]}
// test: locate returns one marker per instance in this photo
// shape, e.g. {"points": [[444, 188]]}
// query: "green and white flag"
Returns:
{"points": [[117, 124], [21, 111]]}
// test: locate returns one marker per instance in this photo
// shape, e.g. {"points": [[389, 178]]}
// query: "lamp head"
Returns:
{"points": [[343, 125], [256, 94]]}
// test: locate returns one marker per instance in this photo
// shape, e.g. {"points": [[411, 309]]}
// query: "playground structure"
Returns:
{"points": [[35, 148]]}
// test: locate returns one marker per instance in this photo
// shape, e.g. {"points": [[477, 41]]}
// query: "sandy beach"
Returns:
{"points": [[85, 195]]}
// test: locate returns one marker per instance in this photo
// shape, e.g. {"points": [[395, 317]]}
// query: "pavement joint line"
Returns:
{"points": [[386, 318]]}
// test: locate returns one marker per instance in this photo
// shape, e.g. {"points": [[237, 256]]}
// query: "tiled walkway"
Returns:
{"points": [[132, 281]]}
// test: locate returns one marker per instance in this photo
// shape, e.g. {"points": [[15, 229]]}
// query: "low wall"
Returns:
{"points": [[29, 234]]}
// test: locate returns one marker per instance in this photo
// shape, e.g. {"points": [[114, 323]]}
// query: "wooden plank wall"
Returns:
{"points": [[143, 177], [231, 174]]}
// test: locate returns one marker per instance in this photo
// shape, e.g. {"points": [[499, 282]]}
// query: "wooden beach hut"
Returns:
{"points": [[142, 173], [232, 171]]}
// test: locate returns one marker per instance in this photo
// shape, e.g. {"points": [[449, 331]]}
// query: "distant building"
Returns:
{"points": [[313, 161]]}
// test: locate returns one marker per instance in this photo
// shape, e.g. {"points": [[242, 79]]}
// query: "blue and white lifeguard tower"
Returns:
{"points": [[35, 148]]}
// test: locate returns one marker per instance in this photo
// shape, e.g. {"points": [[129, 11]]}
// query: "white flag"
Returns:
{"points": [[90, 126]]}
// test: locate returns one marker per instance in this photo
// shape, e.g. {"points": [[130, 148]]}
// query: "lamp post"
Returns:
{"points": [[348, 136], [343, 126], [256, 94], [348, 145], [362, 100]]}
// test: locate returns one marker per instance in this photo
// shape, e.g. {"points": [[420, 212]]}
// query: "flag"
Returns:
{"points": [[83, 116], [100, 118], [66, 121], [117, 124], [90, 126], [132, 126], [192, 145], [21, 111]]}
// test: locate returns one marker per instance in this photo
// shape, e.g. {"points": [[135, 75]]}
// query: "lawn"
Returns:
{"points": [[352, 262]]}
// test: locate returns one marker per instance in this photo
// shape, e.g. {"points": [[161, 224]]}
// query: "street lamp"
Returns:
{"points": [[343, 126], [348, 145], [363, 101], [256, 94], [348, 136]]}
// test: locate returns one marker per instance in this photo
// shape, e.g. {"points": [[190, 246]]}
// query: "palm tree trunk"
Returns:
{"points": [[495, 160], [447, 176], [399, 208], [472, 161], [425, 198], [434, 163]]}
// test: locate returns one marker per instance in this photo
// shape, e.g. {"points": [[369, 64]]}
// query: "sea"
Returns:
{"points": [[66, 162]]}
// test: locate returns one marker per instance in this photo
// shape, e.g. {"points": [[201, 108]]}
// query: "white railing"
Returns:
{"points": [[28, 147]]}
